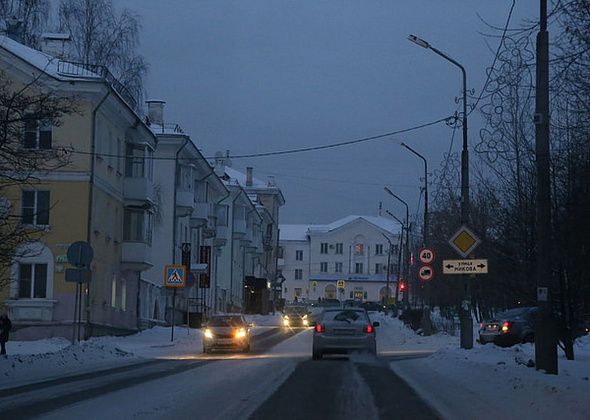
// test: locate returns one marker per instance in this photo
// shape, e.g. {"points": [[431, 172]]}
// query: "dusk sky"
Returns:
{"points": [[265, 75]]}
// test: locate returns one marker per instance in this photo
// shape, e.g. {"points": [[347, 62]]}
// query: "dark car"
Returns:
{"points": [[510, 327], [372, 306], [226, 332], [295, 316]]}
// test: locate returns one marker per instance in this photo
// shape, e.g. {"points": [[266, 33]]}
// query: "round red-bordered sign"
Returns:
{"points": [[426, 256], [426, 273]]}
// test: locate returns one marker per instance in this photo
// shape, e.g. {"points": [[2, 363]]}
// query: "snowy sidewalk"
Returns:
{"points": [[487, 382], [39, 360]]}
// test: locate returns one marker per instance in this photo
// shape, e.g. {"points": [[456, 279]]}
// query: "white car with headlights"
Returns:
{"points": [[295, 316], [226, 332]]}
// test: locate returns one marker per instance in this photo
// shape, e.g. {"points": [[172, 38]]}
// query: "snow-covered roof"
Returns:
{"points": [[381, 222], [47, 63], [293, 232], [299, 232], [240, 178]]}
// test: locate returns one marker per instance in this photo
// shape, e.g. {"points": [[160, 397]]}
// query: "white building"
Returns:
{"points": [[346, 259]]}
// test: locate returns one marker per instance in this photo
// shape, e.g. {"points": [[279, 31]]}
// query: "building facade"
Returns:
{"points": [[347, 259]]}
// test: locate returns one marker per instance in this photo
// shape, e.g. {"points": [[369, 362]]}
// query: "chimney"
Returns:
{"points": [[219, 166], [156, 111], [249, 176], [56, 44]]}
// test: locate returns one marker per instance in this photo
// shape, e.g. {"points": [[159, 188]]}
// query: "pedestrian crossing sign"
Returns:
{"points": [[174, 276]]}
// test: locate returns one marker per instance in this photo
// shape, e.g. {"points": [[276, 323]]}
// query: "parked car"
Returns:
{"points": [[373, 306], [226, 332], [330, 303], [510, 327], [295, 316], [343, 331]]}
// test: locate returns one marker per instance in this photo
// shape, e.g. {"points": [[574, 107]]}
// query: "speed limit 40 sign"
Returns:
{"points": [[426, 256]]}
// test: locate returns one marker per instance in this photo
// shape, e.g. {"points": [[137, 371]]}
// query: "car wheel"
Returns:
{"points": [[529, 338], [316, 355], [482, 342]]}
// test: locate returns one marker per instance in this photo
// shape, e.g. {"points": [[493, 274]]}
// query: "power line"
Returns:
{"points": [[280, 152]]}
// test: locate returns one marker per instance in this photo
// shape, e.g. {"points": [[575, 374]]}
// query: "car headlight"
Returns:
{"points": [[286, 322], [305, 322], [286, 317], [241, 333], [305, 316], [208, 333]]}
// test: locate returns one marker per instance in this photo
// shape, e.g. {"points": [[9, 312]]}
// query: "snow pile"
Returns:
{"points": [[47, 345], [21, 368], [493, 382]]}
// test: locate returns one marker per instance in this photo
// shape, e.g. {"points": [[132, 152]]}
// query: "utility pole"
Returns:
{"points": [[465, 313], [388, 267], [425, 230], [399, 257], [546, 334]]}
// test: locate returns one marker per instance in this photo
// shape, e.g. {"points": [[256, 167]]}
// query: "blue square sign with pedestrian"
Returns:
{"points": [[174, 276]]}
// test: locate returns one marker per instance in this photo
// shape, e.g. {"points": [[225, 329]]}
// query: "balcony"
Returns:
{"points": [[202, 213], [136, 256], [185, 201], [221, 236], [240, 229], [138, 191]]}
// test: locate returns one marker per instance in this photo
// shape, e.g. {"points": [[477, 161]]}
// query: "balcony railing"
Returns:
{"points": [[73, 69]]}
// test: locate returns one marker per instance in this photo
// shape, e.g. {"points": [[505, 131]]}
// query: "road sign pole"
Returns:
{"points": [[79, 309], [75, 315], [173, 313]]}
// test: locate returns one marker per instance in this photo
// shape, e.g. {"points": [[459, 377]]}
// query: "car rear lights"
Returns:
{"points": [[320, 328], [506, 326], [481, 325], [369, 329]]}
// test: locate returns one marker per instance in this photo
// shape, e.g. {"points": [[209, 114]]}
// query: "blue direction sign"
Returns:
{"points": [[174, 276]]}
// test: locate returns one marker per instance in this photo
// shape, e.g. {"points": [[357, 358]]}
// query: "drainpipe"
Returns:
{"points": [[90, 200], [231, 258], [176, 176]]}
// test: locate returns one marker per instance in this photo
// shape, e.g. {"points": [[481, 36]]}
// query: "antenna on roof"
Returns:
{"points": [[380, 208]]}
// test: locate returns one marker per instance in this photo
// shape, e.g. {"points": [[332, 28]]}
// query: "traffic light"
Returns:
{"points": [[402, 286]]}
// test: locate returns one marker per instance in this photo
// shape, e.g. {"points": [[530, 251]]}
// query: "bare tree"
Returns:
{"points": [[29, 17], [102, 36], [26, 154]]}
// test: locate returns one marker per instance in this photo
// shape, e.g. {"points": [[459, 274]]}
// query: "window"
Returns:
{"points": [[339, 248], [358, 268], [299, 255], [324, 267], [37, 134], [378, 268], [137, 226], [35, 207], [114, 291], [297, 291], [395, 249], [324, 248], [359, 249], [379, 249], [123, 295], [32, 281], [138, 161], [298, 274], [338, 267]]}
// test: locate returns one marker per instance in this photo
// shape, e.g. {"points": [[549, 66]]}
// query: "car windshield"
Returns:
{"points": [[348, 316], [296, 310], [226, 321]]}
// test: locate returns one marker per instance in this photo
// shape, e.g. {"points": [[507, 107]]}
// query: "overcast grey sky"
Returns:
{"points": [[263, 75]]}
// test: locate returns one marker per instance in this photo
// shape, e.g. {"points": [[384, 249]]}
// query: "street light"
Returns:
{"points": [[388, 267], [407, 253], [466, 321], [399, 257], [425, 231]]}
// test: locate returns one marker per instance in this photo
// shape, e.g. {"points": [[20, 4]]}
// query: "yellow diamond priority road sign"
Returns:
{"points": [[464, 241]]}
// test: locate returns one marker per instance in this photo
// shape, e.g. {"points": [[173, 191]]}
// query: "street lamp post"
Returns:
{"points": [[399, 257], [425, 230], [407, 253], [466, 321]]}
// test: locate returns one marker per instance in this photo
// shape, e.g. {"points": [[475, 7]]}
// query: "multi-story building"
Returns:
{"points": [[346, 259], [248, 264], [188, 211], [104, 196]]}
